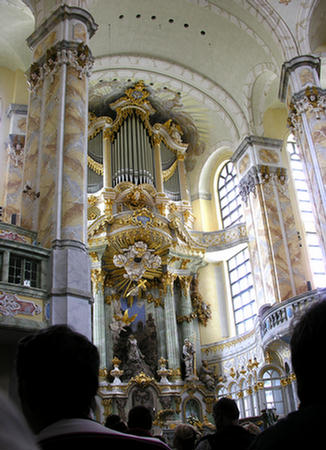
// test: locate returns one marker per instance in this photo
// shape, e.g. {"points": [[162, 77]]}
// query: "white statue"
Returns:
{"points": [[188, 353]]}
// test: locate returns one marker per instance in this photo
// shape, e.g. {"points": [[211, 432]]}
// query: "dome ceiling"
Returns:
{"points": [[213, 65]]}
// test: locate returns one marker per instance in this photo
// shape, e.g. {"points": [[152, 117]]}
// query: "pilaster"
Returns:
{"points": [[306, 101], [276, 256], [172, 344], [55, 168]]}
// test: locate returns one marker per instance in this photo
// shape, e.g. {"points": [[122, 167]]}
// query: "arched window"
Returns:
{"points": [[273, 391], [223, 392], [239, 268], [247, 403], [306, 213], [229, 197]]}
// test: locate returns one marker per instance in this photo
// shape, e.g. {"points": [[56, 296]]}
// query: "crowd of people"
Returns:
{"points": [[57, 373]]}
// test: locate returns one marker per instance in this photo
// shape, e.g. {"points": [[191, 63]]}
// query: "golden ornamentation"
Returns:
{"points": [[158, 301], [162, 416], [107, 403], [92, 200], [142, 379], [93, 212], [202, 309], [232, 372], [185, 282], [125, 317], [94, 256], [167, 280], [97, 278], [95, 166], [116, 361], [103, 372], [111, 298], [178, 403], [186, 318], [168, 173], [135, 197]]}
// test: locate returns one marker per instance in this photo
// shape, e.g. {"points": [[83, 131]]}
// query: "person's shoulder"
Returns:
{"points": [[205, 442], [101, 441]]}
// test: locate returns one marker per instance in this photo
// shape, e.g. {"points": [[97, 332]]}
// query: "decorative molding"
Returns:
{"points": [[61, 14], [78, 56], [290, 66], [11, 305], [312, 99]]}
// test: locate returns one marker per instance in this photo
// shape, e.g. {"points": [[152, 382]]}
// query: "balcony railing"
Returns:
{"points": [[276, 320]]}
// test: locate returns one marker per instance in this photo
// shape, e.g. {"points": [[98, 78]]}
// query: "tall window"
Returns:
{"points": [[25, 271], [306, 213], [273, 391], [242, 291], [229, 197]]}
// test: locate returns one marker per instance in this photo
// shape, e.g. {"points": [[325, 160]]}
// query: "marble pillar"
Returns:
{"points": [[56, 156], [99, 334], [306, 101], [276, 255], [172, 344]]}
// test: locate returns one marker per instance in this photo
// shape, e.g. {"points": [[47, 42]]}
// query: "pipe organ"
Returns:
{"points": [[138, 152]]}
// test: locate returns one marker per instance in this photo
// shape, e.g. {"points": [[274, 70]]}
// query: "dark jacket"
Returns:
{"points": [[231, 437], [302, 429]]}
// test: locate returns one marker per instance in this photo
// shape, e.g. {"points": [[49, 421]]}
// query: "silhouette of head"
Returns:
{"points": [[185, 437], [225, 412], [114, 422], [57, 371], [307, 346], [140, 417]]}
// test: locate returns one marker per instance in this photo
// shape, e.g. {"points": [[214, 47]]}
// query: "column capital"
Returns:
{"points": [[63, 13], [299, 65]]}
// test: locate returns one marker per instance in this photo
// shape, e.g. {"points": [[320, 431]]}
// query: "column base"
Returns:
{"points": [[70, 292]]}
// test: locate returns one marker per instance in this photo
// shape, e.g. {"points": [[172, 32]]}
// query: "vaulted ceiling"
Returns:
{"points": [[213, 64]]}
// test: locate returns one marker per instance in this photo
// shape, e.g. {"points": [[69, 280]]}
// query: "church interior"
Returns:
{"points": [[162, 192]]}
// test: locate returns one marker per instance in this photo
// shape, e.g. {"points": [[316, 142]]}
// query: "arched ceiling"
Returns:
{"points": [[214, 64]]}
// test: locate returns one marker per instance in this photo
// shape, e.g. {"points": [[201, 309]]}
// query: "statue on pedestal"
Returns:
{"points": [[188, 353]]}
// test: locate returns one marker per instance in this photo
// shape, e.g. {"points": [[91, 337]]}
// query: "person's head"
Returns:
{"points": [[307, 344], [225, 412], [114, 422], [57, 372], [185, 437], [140, 417]]}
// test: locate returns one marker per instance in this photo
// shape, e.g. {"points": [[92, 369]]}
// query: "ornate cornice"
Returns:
{"points": [[260, 174], [64, 12], [311, 99], [290, 66], [75, 55]]}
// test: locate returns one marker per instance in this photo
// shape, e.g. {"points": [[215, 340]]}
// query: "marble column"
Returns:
{"points": [[172, 342], [187, 328], [276, 255], [56, 155], [306, 102], [99, 335]]}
